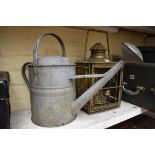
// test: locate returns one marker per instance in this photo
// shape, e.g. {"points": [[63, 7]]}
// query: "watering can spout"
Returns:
{"points": [[88, 94]]}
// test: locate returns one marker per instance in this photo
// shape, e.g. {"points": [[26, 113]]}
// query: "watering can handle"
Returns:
{"points": [[36, 46], [24, 73]]}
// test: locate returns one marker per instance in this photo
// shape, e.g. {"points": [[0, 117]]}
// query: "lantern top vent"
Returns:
{"points": [[98, 47], [98, 53]]}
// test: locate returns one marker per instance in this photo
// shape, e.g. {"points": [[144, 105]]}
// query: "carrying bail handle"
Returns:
{"points": [[37, 43]]}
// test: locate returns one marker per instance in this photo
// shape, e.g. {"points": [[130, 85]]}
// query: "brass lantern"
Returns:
{"points": [[110, 95]]}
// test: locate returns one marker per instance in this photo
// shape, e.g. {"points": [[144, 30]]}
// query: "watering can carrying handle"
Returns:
{"points": [[24, 73], [36, 46]]}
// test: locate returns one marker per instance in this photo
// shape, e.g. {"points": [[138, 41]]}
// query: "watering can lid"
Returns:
{"points": [[54, 61]]}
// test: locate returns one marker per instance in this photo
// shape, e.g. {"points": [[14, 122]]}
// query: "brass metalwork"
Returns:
{"points": [[110, 95], [98, 53]]}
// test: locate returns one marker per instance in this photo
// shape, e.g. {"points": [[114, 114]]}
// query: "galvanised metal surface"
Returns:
{"points": [[52, 95]]}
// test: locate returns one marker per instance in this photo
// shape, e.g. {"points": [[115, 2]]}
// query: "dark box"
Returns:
{"points": [[140, 75], [4, 84], [148, 53], [4, 101]]}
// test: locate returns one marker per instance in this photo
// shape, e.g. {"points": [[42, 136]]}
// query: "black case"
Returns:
{"points": [[4, 89], [4, 114], [4, 101], [142, 75], [4, 84], [148, 53]]}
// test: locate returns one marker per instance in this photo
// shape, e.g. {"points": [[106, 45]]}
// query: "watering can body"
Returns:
{"points": [[51, 92]]}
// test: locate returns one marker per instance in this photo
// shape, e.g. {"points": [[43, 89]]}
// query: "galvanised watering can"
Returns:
{"points": [[52, 84]]}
